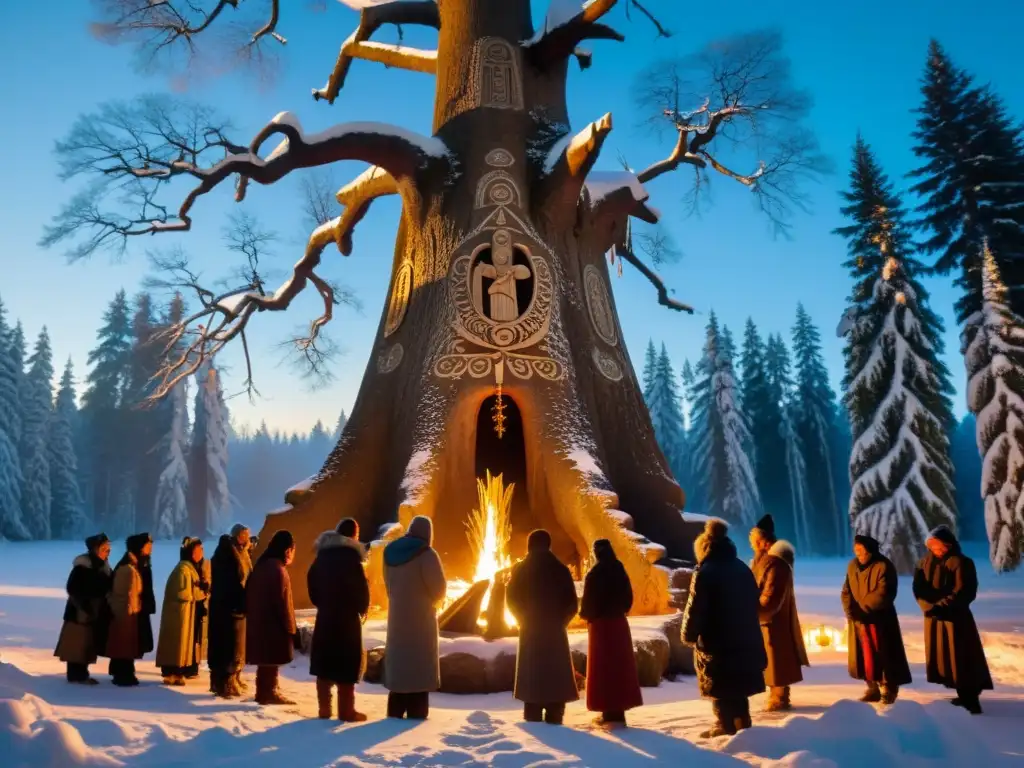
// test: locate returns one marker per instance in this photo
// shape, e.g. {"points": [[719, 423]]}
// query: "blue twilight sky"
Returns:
{"points": [[861, 60]]}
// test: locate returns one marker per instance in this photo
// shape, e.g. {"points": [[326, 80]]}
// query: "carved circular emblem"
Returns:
{"points": [[607, 365], [500, 194], [599, 305], [499, 158], [389, 359], [399, 299]]}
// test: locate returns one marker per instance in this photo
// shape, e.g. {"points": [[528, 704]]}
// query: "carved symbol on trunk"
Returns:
{"points": [[399, 299], [498, 280], [499, 158], [599, 305], [389, 359], [499, 84], [607, 365], [496, 188], [458, 363]]}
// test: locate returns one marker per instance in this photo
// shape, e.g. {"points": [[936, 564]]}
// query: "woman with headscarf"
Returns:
{"points": [[612, 683], [945, 585], [271, 634], [415, 584], [124, 640], [340, 593], [542, 596], [177, 650], [86, 613], [874, 639]]}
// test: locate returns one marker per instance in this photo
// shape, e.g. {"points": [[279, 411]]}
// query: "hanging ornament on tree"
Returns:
{"points": [[498, 413]]}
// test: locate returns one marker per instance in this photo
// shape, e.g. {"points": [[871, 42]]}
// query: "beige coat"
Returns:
{"points": [[416, 586], [780, 623], [177, 646], [125, 601]]}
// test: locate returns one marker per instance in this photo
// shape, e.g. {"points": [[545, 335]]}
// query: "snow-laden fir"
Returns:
{"points": [[993, 348], [208, 459], [896, 387], [36, 405], [661, 394], [171, 508], [721, 436], [67, 511], [11, 524]]}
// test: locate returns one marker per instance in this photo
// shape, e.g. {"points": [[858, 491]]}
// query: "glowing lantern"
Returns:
{"points": [[823, 638]]}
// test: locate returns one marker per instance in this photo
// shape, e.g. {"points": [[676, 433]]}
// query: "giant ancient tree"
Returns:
{"points": [[499, 346]]}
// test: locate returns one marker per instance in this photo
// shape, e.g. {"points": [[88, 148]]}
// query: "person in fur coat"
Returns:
{"points": [[780, 623], [86, 614]]}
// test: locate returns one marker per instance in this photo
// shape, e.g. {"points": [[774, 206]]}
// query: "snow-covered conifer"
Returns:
{"points": [[67, 514], [171, 506], [36, 410], [665, 408], [993, 347], [339, 428], [12, 525], [650, 366], [210, 499]]}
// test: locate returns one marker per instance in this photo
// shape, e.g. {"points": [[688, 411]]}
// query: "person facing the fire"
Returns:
{"points": [[340, 593], [780, 624], [721, 622], [416, 586], [945, 585], [542, 597], [875, 642], [271, 634], [612, 683]]}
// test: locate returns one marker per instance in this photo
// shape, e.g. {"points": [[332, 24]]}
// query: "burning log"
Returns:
{"points": [[497, 623], [462, 616]]}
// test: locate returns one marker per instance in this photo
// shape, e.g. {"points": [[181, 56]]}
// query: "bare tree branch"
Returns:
{"points": [[624, 252], [750, 114], [357, 46], [137, 151]]}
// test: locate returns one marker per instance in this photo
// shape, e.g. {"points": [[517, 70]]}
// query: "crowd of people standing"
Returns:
{"points": [[741, 620]]}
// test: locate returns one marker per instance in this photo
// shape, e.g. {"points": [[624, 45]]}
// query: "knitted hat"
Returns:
{"points": [[766, 525]]}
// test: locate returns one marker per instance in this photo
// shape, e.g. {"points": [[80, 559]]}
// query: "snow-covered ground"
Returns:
{"points": [[45, 722]]}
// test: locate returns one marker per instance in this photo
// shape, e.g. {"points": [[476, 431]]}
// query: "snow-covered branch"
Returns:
{"points": [[357, 46], [357, 196], [136, 154], [567, 167]]}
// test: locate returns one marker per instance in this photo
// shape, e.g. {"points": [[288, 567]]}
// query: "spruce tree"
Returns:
{"points": [[148, 422], [765, 417], [650, 367], [18, 353], [12, 525], [665, 407], [172, 500], [339, 428], [896, 387], [814, 417], [209, 498], [109, 462], [67, 514], [36, 409], [993, 346], [694, 498], [721, 437]]}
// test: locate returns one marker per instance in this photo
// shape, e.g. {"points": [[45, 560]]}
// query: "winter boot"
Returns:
{"points": [[397, 705], [347, 711], [872, 695], [269, 693], [889, 694], [324, 692], [240, 684], [554, 714], [778, 699], [725, 721], [611, 720]]}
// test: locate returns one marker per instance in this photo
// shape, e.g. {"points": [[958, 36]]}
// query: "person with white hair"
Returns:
{"points": [[230, 567]]}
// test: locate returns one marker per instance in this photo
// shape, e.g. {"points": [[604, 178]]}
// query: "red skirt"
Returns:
{"points": [[867, 636], [612, 682]]}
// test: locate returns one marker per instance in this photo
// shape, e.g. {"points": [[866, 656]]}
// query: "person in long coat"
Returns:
{"points": [[124, 638], [416, 586], [271, 634], [542, 597], [612, 682], [205, 571], [945, 585], [86, 614], [340, 593], [722, 623], [177, 649], [875, 641], [780, 623], [229, 572], [146, 639]]}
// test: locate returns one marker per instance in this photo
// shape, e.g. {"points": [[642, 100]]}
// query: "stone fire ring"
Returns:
{"points": [[472, 665]]}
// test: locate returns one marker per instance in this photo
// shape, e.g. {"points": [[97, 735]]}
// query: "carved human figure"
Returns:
{"points": [[504, 273]]}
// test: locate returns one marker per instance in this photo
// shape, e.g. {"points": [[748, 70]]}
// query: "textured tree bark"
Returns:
{"points": [[410, 445]]}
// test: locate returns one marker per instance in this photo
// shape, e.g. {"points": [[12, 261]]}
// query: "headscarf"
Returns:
{"points": [[188, 545], [279, 544]]}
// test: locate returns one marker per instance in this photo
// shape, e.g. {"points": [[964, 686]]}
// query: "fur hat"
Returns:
{"points": [[869, 543], [943, 534], [135, 543], [188, 545], [348, 527], [95, 542], [539, 541], [714, 530], [766, 525]]}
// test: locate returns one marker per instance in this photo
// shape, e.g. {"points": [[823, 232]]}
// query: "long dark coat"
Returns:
{"points": [[612, 682], [721, 622], [270, 614], [542, 597], [229, 569], [945, 588], [869, 602], [780, 623], [146, 643], [86, 615], [341, 594]]}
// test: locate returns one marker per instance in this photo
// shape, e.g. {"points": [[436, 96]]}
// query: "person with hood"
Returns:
{"points": [[780, 624], [146, 639], [86, 613], [542, 596], [271, 635], [177, 650], [340, 593], [945, 585], [229, 572], [612, 682], [876, 652], [722, 623], [125, 637], [415, 584]]}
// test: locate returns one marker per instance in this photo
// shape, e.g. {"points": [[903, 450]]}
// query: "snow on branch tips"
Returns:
{"points": [[749, 115], [372, 16], [567, 167]]}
